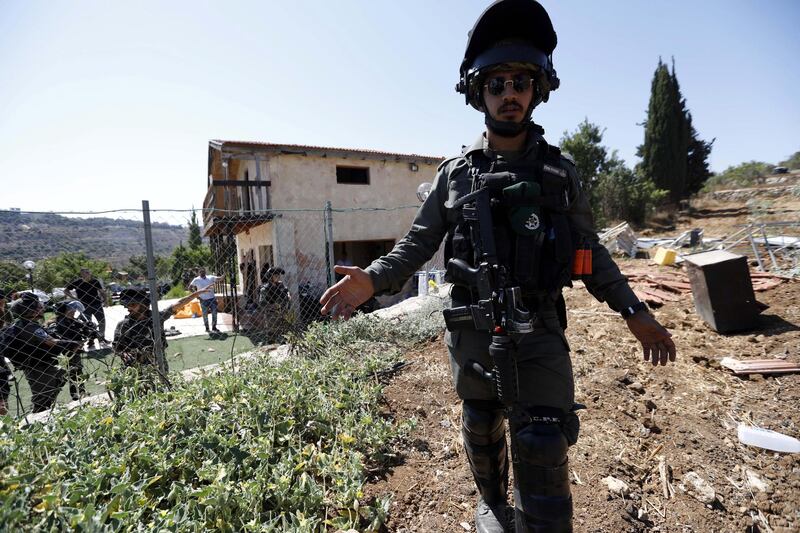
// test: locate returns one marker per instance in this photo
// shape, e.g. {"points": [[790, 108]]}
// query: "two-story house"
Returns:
{"points": [[266, 202]]}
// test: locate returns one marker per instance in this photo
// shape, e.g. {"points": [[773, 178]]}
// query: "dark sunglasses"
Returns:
{"points": [[520, 82]]}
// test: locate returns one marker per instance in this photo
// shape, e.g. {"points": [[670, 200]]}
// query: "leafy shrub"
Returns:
{"points": [[793, 162], [742, 175], [176, 292], [264, 446], [622, 195]]}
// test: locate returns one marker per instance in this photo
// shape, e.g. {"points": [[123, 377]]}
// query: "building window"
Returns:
{"points": [[355, 175]]}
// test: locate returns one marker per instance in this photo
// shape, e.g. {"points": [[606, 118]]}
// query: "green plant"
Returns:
{"points": [[176, 292], [793, 162], [741, 175], [270, 446]]}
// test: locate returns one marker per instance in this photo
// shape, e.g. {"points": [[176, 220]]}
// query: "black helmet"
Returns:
{"points": [[510, 32], [69, 305], [134, 295], [26, 304], [275, 270]]}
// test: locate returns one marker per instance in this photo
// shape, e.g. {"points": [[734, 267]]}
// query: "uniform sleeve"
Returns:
{"points": [[35, 335], [390, 272], [118, 344], [606, 283]]}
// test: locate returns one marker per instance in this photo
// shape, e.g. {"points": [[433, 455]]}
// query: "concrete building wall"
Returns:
{"points": [[306, 182]]}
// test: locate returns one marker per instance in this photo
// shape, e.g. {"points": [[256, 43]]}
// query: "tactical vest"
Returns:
{"points": [[532, 233]]}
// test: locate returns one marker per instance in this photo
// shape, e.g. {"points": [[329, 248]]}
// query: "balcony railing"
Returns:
{"points": [[231, 206]]}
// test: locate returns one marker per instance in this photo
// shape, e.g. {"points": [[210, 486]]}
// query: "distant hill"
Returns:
{"points": [[38, 236]]}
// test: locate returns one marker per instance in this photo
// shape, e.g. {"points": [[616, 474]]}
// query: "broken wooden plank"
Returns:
{"points": [[761, 286], [651, 300], [759, 366], [662, 295]]}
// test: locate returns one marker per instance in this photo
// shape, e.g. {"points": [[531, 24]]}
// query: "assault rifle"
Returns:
{"points": [[499, 308]]}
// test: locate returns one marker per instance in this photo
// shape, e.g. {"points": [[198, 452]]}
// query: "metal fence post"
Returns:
{"points": [[158, 348], [329, 242]]}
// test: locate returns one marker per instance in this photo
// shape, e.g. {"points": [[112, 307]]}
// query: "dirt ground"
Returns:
{"points": [[684, 415]]}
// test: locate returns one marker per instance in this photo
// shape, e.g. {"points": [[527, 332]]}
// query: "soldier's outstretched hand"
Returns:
{"points": [[341, 299], [657, 344]]}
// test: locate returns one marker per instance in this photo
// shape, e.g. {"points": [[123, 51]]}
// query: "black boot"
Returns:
{"points": [[483, 430], [490, 519]]}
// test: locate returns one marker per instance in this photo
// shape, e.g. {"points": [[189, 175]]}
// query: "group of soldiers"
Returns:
{"points": [[35, 349]]}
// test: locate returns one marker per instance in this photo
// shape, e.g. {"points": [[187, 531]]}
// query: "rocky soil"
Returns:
{"points": [[666, 435]]}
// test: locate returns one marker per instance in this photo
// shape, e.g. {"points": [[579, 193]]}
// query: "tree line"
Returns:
{"points": [[59, 270], [674, 159]]}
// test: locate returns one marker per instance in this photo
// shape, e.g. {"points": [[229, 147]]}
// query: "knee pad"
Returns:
{"points": [[542, 445], [541, 475], [482, 422]]}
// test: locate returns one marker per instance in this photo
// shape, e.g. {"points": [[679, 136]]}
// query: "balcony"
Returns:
{"points": [[233, 206]]}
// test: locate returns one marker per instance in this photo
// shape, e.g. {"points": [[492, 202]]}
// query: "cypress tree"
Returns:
{"points": [[680, 138], [697, 171], [666, 134], [195, 236]]}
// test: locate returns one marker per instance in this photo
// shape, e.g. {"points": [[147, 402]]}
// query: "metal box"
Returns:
{"points": [[722, 290]]}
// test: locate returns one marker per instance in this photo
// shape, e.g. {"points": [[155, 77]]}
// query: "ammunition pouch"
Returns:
{"points": [[530, 227]]}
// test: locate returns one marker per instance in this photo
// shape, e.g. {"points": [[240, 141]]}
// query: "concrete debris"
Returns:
{"points": [[755, 481], [620, 240], [699, 488], [616, 486]]}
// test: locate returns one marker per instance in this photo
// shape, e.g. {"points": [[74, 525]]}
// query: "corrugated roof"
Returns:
{"points": [[300, 148]]}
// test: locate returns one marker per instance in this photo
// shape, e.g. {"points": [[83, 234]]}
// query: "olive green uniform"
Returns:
{"points": [[545, 371]]}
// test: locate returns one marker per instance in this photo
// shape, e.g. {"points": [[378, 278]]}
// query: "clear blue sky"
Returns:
{"points": [[103, 104]]}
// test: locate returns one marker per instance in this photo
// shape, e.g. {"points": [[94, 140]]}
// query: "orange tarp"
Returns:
{"points": [[190, 310]]}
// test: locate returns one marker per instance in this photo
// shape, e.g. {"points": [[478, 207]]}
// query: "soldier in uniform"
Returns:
{"points": [[67, 327], [273, 301], [28, 346], [537, 226], [133, 336]]}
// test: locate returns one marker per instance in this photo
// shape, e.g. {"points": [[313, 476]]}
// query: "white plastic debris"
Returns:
{"points": [[765, 438]]}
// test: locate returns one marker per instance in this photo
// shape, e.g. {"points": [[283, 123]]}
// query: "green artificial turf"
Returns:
{"points": [[182, 354]]}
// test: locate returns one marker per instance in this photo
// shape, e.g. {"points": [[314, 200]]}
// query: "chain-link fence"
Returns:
{"points": [[78, 290]]}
